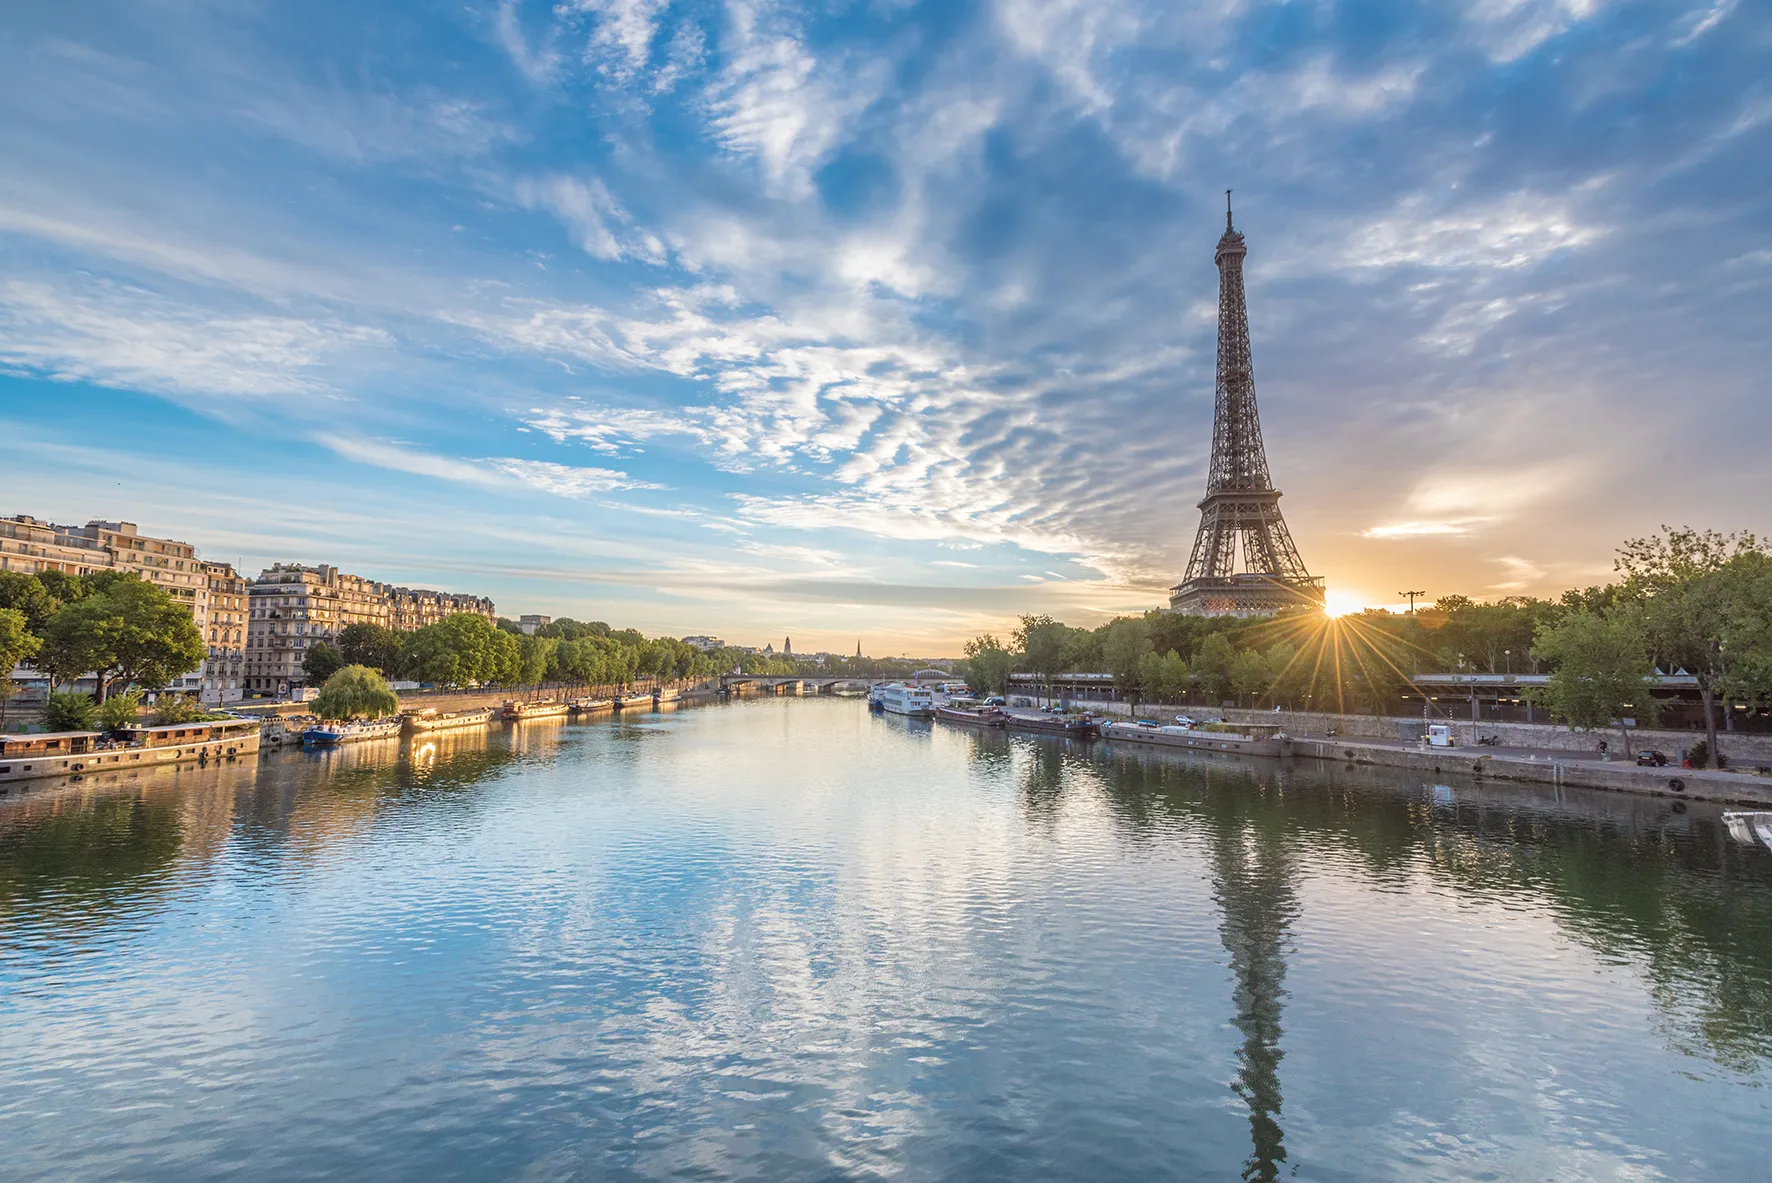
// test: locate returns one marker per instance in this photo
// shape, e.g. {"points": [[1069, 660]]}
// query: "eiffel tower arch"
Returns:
{"points": [[1240, 514]]}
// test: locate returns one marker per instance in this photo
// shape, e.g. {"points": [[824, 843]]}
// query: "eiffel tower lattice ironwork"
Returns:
{"points": [[1241, 503]]}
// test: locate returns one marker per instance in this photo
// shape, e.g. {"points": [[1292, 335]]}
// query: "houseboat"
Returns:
{"points": [[971, 713], [1248, 740], [428, 720], [517, 712], [71, 753], [589, 706], [330, 733], [915, 701], [1053, 723]]}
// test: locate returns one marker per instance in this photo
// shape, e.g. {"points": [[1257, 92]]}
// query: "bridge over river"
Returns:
{"points": [[798, 684]]}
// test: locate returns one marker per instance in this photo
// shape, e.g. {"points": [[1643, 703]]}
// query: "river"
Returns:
{"points": [[788, 940]]}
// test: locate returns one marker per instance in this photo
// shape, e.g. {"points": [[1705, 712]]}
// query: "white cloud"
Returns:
{"points": [[1508, 30], [777, 103], [600, 225], [1513, 231], [499, 472], [115, 335]]}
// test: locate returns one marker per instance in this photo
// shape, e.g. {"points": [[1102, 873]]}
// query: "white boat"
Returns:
{"points": [[1747, 826], [327, 734], [895, 698]]}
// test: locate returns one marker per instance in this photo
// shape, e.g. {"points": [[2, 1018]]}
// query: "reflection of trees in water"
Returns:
{"points": [[78, 860], [1045, 765], [1635, 877], [85, 853]]}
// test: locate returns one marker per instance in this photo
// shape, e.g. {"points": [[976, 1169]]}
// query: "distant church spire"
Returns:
{"points": [[787, 646]]}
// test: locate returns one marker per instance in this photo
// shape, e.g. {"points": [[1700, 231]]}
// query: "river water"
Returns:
{"points": [[787, 940]]}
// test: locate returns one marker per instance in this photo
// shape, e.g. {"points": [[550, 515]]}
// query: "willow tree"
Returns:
{"points": [[356, 692]]}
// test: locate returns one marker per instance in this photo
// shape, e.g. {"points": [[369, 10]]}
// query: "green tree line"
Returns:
{"points": [[468, 650], [1683, 600]]}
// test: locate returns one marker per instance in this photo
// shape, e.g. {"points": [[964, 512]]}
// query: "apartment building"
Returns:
{"points": [[29, 545], [291, 607], [224, 669], [415, 607]]}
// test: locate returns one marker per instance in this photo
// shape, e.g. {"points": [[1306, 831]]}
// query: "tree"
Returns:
{"points": [[28, 596], [17, 643], [988, 664], [1248, 675], [1688, 586], [372, 645], [320, 662], [1045, 646], [173, 709], [131, 632], [1285, 673], [1601, 670], [460, 649], [1212, 667], [120, 710], [64, 588], [69, 710], [356, 692], [1123, 646], [534, 656], [1163, 676]]}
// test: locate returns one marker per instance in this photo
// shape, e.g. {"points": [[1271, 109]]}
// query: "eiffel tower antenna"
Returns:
{"points": [[1241, 503]]}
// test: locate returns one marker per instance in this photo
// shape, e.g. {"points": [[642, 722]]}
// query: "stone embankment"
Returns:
{"points": [[1544, 768], [1741, 748], [1530, 752]]}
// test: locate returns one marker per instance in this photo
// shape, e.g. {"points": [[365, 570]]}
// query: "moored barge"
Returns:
{"points": [[72, 753], [1073, 726], [328, 734], [429, 720], [1253, 740], [517, 712], [973, 716]]}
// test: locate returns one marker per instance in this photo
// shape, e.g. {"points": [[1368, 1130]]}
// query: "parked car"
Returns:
{"points": [[996, 700], [1650, 758], [1184, 720]]}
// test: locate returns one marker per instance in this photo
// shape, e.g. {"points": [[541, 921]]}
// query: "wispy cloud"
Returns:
{"points": [[498, 472]]}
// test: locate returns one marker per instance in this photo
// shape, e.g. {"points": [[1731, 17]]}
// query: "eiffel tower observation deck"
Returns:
{"points": [[1240, 514]]}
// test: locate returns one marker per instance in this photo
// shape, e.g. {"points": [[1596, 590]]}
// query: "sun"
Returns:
{"points": [[1341, 603]]}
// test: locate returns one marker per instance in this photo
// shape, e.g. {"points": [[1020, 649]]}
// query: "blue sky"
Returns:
{"points": [[882, 320]]}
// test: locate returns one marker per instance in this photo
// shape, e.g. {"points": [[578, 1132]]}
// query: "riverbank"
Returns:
{"points": [[1562, 769]]}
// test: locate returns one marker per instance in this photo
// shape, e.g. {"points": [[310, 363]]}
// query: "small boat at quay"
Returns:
{"points": [[915, 701], [1746, 826], [516, 712], [971, 714], [589, 706], [1252, 740], [329, 734], [429, 720], [1074, 726]]}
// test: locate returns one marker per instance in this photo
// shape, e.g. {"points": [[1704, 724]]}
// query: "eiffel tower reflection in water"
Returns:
{"points": [[1252, 880]]}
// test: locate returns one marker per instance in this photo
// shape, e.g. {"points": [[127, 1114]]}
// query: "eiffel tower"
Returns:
{"points": [[1241, 502]]}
